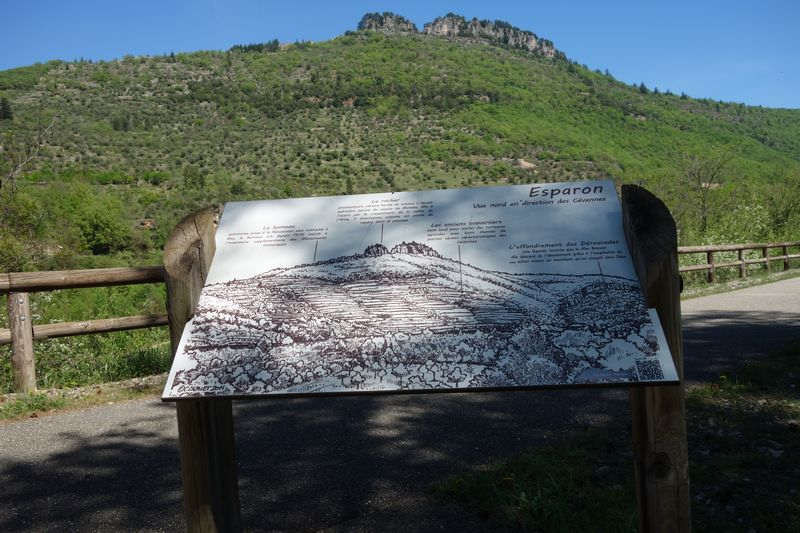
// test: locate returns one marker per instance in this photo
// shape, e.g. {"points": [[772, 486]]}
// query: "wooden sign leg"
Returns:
{"points": [[208, 465], [205, 426], [659, 414]]}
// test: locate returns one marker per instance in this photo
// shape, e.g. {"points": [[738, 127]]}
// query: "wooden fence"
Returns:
{"points": [[22, 332], [710, 266]]}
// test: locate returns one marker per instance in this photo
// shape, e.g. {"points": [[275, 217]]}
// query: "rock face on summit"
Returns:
{"points": [[495, 31], [387, 22], [414, 248], [454, 26]]}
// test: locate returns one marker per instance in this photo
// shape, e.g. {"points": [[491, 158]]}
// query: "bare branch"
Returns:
{"points": [[21, 156]]}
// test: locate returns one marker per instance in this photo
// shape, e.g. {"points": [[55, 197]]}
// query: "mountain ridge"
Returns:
{"points": [[451, 25], [125, 148]]}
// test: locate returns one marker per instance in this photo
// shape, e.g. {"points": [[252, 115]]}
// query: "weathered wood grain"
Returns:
{"points": [[21, 333], [205, 426], [658, 412], [72, 279], [86, 327]]}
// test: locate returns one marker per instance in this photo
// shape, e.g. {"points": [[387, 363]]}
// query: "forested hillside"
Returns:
{"points": [[100, 160], [137, 143]]}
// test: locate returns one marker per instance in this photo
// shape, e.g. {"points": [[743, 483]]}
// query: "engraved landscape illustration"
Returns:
{"points": [[406, 317], [488, 288]]}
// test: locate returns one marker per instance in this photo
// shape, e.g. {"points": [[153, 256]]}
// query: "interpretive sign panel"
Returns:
{"points": [[486, 288]]}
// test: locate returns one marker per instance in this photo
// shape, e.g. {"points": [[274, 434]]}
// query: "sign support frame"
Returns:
{"points": [[661, 461], [206, 429], [205, 426]]}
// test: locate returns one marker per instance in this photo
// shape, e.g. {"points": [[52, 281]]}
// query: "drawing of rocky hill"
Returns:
{"points": [[414, 248], [408, 318], [374, 250]]}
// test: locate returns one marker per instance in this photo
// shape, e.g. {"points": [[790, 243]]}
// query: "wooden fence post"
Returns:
{"points": [[785, 252], [21, 326], [659, 412], [205, 426], [742, 264], [710, 261], [765, 255]]}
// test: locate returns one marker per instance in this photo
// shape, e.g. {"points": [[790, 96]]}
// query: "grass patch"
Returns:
{"points": [[29, 404], [42, 403], [91, 359], [556, 488], [744, 438]]}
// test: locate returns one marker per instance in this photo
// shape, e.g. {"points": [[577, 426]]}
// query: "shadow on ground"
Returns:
{"points": [[340, 464], [743, 446], [128, 479], [367, 463], [717, 341], [349, 463]]}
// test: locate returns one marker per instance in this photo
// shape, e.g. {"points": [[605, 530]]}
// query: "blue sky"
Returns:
{"points": [[726, 50]]}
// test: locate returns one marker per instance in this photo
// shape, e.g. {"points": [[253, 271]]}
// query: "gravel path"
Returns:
{"points": [[337, 464], [722, 330]]}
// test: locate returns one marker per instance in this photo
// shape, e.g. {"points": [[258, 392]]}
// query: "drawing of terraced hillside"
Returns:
{"points": [[408, 318]]}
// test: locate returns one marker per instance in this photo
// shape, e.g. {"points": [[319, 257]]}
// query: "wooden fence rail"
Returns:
{"points": [[741, 262], [22, 332], [76, 279]]}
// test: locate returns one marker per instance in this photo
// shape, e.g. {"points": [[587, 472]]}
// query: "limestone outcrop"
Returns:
{"points": [[498, 32], [387, 22], [454, 26]]}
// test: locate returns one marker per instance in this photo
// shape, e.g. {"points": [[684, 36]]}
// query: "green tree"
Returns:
{"points": [[784, 204], [20, 150], [193, 177], [5, 109], [121, 122], [701, 175], [102, 230]]}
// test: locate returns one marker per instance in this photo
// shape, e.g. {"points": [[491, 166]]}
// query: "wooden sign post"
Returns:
{"points": [[205, 425], [659, 414]]}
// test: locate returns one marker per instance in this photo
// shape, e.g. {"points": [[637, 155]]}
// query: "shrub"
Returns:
{"points": [[155, 177], [102, 231], [12, 254]]}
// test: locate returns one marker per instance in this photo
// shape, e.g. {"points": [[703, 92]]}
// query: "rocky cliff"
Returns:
{"points": [[497, 32], [455, 26], [387, 22]]}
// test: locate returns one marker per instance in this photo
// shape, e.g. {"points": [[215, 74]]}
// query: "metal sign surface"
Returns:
{"points": [[487, 288]]}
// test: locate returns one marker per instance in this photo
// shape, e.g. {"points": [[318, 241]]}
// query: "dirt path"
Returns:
{"points": [[722, 330], [336, 464]]}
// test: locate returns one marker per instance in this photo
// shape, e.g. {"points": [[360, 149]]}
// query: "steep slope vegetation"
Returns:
{"points": [[139, 142]]}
